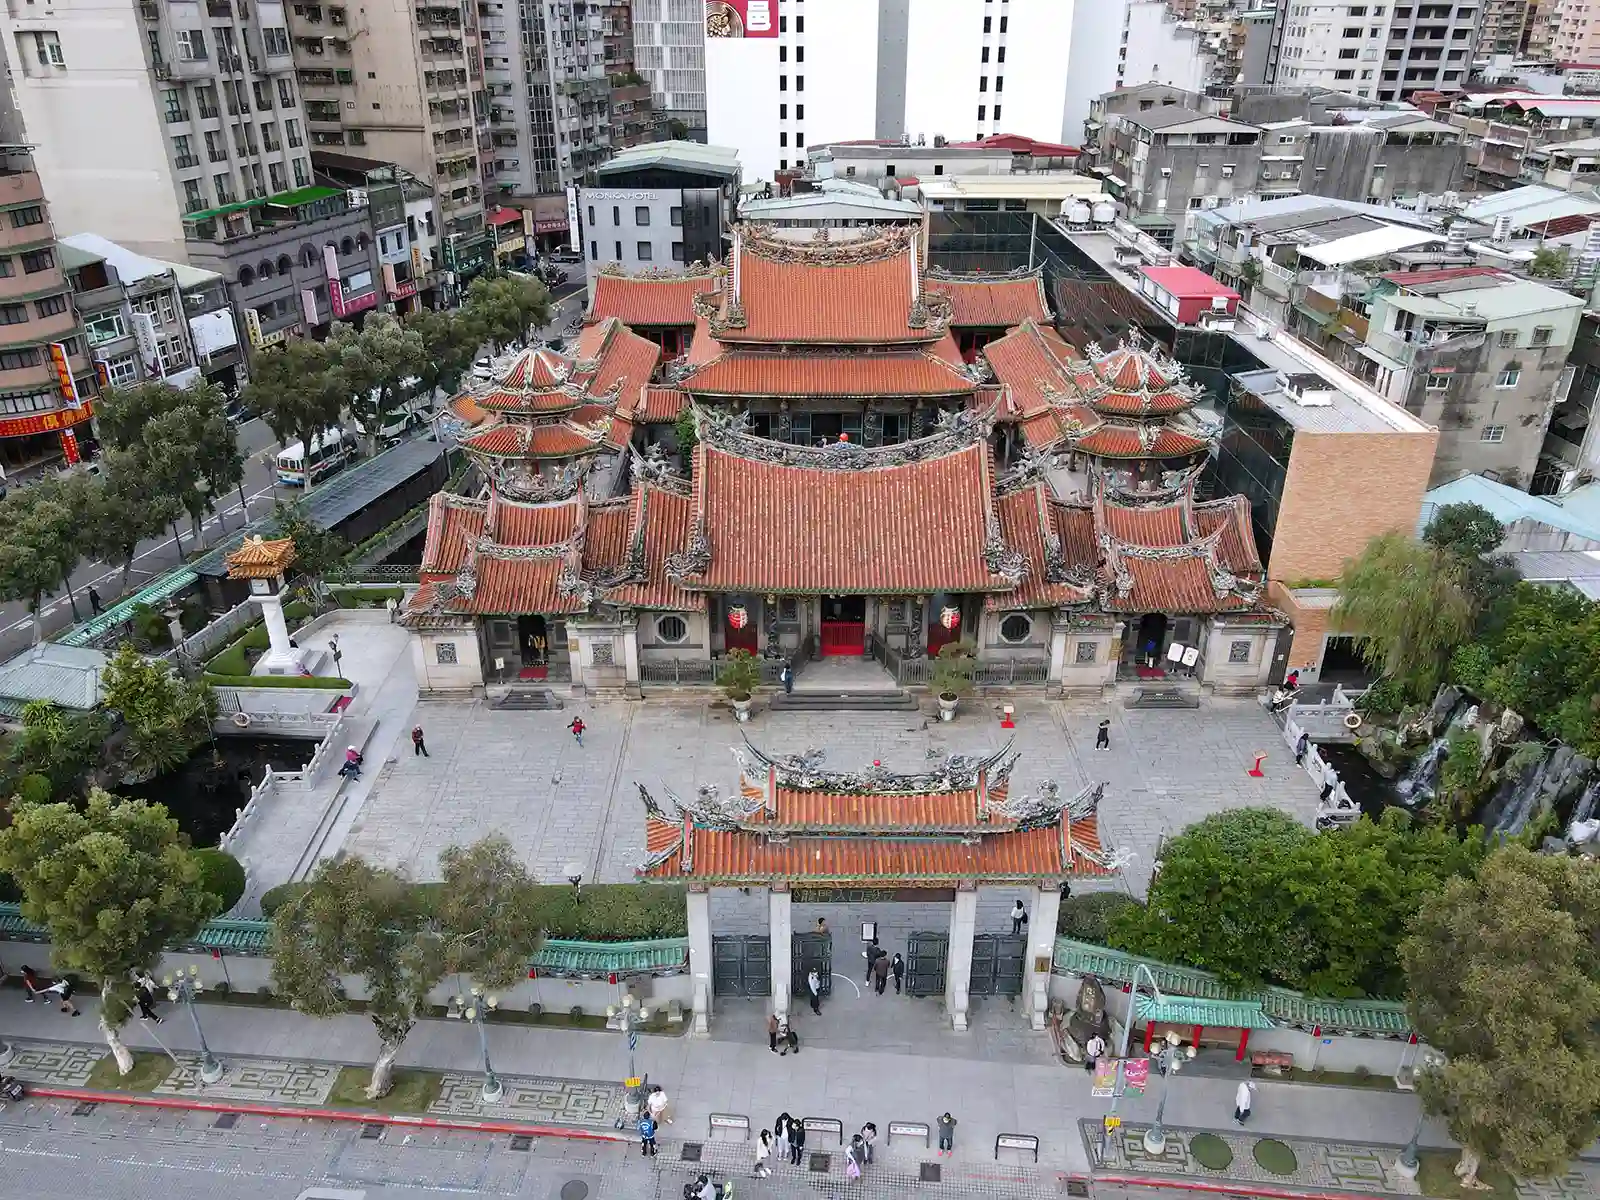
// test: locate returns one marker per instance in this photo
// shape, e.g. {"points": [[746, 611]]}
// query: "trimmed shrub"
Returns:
{"points": [[275, 898], [326, 683], [221, 875], [576, 1014], [35, 789], [347, 597], [1088, 918]]}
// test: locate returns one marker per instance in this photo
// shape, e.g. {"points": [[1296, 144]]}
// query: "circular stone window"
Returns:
{"points": [[672, 629], [1015, 628]]}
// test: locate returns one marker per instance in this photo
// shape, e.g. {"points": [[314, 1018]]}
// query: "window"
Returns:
{"points": [[594, 251], [263, 91], [799, 112], [285, 94], [38, 260], [1542, 335], [1015, 628], [51, 306], [1000, 83], [616, 214], [996, 112], [783, 83], [1239, 652], [799, 141], [275, 41], [302, 173], [13, 314], [783, 112], [1508, 378], [1086, 652], [988, 24], [783, 54], [783, 139], [1492, 433], [276, 177], [800, 24], [194, 197], [1350, 53], [1344, 74], [1352, 31], [618, 254], [799, 83], [983, 111], [983, 84], [1000, 56], [677, 251], [1438, 381], [799, 54], [985, 57], [33, 214], [1508, 337], [16, 360], [172, 104], [641, 214], [46, 49], [191, 45], [645, 251], [123, 370], [675, 215], [672, 629], [224, 187]]}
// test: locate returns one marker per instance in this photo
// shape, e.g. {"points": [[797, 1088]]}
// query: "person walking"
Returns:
{"points": [[647, 1135], [786, 677], [577, 728], [656, 1103], [780, 1133], [338, 656], [1102, 737], [94, 601], [772, 1032], [352, 763], [144, 994], [869, 1136], [814, 987], [797, 1141], [393, 606], [1093, 1050], [418, 745], [947, 1134], [1302, 744], [856, 1157], [1241, 1101], [62, 990], [791, 1041], [872, 954], [880, 972], [898, 966], [763, 1152], [1019, 918], [30, 984]]}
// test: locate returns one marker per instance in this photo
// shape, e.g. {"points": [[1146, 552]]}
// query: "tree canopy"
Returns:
{"points": [[1504, 978], [165, 715], [41, 538], [375, 362], [297, 390], [503, 310], [1256, 897]]}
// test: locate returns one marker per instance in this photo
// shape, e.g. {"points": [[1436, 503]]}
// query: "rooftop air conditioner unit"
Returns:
{"points": [[1219, 304]]}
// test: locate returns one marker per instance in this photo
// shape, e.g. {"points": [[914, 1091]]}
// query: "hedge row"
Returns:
{"points": [[326, 682], [232, 660], [606, 912], [369, 597]]}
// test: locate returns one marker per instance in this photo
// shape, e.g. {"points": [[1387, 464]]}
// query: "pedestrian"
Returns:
{"points": [[772, 1032], [763, 1151], [780, 1133], [898, 966], [1241, 1101], [576, 726], [1102, 737], [1300, 748], [855, 1157], [822, 926], [1292, 680], [797, 1141], [872, 954], [791, 1041], [869, 1135], [814, 987], [1019, 918], [418, 746], [30, 983], [393, 606], [144, 993], [880, 972], [352, 763], [656, 1102], [1092, 1051], [786, 677], [62, 990], [94, 601], [647, 1135], [947, 1134]]}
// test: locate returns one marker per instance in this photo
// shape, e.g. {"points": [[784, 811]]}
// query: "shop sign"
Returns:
{"points": [[883, 895], [44, 422], [741, 19], [252, 327], [64, 380], [555, 225], [572, 217]]}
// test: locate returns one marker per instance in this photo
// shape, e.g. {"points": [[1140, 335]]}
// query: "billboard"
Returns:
{"points": [[741, 19], [63, 369]]}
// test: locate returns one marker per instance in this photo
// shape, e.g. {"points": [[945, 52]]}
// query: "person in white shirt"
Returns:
{"points": [[763, 1152], [656, 1102], [1241, 1101]]}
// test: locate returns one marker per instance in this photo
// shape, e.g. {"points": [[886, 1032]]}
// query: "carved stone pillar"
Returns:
{"points": [[785, 425], [916, 642], [871, 425], [769, 610], [919, 420]]}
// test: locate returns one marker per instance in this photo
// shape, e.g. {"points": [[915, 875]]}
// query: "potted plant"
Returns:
{"points": [[739, 679], [951, 675]]}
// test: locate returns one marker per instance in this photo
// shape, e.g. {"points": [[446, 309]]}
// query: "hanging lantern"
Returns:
{"points": [[738, 616], [949, 616]]}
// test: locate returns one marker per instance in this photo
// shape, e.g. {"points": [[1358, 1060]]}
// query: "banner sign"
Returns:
{"points": [[1135, 1074], [1105, 1079], [741, 18], [63, 369], [572, 218]]}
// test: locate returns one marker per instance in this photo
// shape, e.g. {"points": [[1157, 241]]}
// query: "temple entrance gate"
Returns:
{"points": [[811, 950], [741, 965], [926, 954], [998, 962]]}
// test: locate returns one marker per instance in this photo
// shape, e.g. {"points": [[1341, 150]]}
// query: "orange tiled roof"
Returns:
{"points": [[636, 301], [627, 361], [659, 405], [517, 524], [1025, 521], [454, 522], [536, 382], [1026, 363], [907, 373], [508, 586], [1204, 559], [257, 558], [465, 407], [994, 301], [530, 441], [906, 529], [605, 539], [658, 526], [1123, 441]]}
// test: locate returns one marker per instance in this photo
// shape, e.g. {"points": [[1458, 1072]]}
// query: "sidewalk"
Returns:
{"points": [[704, 1076]]}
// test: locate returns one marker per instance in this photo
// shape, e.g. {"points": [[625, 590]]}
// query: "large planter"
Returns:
{"points": [[741, 708], [947, 706]]}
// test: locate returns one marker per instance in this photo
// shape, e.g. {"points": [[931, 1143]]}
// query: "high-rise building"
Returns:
{"points": [[1376, 51], [669, 49], [141, 113]]}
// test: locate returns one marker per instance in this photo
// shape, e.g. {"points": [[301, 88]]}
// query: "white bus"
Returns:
{"points": [[330, 450], [411, 411]]}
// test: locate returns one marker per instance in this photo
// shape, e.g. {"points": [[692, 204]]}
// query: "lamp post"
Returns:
{"points": [[476, 1010], [1169, 1062], [183, 989], [1122, 1050], [630, 1016], [1408, 1164]]}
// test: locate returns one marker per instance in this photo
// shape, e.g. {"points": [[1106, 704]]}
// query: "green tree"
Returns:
{"points": [[40, 541], [164, 715], [488, 912], [376, 362], [359, 920], [297, 390], [60, 745], [114, 884], [448, 347], [1466, 530], [1548, 264], [677, 130], [1504, 979], [503, 310], [317, 551], [1461, 774], [1407, 603], [124, 507]]}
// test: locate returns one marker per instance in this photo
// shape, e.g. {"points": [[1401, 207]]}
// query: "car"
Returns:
{"points": [[564, 256], [483, 369]]}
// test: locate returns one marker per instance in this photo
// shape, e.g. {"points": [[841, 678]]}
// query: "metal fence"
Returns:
{"points": [[201, 644], [1011, 672], [377, 573], [678, 672]]}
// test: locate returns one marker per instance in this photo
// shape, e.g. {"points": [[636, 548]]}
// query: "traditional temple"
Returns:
{"points": [[884, 460], [945, 832]]}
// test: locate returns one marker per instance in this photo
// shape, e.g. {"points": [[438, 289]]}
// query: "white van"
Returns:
{"points": [[330, 450]]}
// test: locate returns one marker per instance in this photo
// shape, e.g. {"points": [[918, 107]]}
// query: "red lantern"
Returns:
{"points": [[950, 616], [738, 616]]}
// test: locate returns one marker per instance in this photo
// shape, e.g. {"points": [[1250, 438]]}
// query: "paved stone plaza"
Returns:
{"points": [[522, 774]]}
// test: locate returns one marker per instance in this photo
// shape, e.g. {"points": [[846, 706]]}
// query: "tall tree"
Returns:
{"points": [[61, 745], [503, 310], [1466, 530], [165, 715], [355, 919], [376, 362], [114, 883], [1504, 979], [488, 912], [1406, 601], [448, 347], [317, 552], [123, 510], [297, 391], [39, 546]]}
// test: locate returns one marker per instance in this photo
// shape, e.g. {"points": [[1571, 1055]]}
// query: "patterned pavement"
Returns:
{"points": [[253, 1080], [58, 1064], [536, 1101]]}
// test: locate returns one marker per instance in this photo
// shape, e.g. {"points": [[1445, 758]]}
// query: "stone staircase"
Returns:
{"points": [[881, 700], [533, 699], [1168, 694]]}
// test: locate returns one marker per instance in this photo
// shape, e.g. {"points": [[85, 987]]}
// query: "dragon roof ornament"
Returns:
{"points": [[805, 772], [954, 431]]}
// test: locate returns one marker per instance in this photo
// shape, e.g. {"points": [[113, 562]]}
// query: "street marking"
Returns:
{"points": [[847, 979]]}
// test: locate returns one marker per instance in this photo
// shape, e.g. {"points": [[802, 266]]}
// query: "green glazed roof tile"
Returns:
{"points": [[1216, 1014]]}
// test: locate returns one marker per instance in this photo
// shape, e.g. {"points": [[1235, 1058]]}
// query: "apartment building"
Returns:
{"points": [[406, 85], [669, 50], [1378, 51], [634, 120], [1502, 130], [1505, 27], [213, 328], [404, 216], [1133, 42], [132, 312], [1574, 32], [47, 383], [143, 113], [660, 206]]}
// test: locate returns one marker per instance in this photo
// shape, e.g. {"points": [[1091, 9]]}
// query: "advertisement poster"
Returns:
{"points": [[1105, 1078], [741, 18], [1135, 1074]]}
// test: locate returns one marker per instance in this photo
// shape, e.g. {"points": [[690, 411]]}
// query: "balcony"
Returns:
{"points": [[185, 161]]}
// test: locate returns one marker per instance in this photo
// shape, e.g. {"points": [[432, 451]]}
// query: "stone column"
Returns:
{"points": [[782, 933], [630, 653], [1041, 947], [1058, 647], [700, 956], [958, 955]]}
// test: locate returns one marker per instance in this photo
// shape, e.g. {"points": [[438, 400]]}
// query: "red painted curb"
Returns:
{"points": [[1231, 1189], [326, 1114]]}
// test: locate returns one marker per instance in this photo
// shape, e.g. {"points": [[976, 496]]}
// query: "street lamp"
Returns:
{"points": [[1169, 1062], [1122, 1051], [630, 1017], [184, 989], [477, 1010]]}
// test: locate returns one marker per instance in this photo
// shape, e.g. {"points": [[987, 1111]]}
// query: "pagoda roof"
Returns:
{"points": [[992, 301], [257, 558], [1028, 363], [1111, 440], [1132, 380], [866, 290], [834, 372], [648, 299], [916, 517], [793, 820], [561, 440]]}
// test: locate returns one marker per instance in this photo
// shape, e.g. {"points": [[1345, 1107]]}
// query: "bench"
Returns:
{"points": [[1271, 1062], [730, 1123], [824, 1125], [912, 1129], [1024, 1142]]}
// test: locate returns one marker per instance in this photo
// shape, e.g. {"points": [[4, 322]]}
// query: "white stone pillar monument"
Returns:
{"points": [[700, 956], [264, 563], [958, 955], [1040, 951], [782, 935]]}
